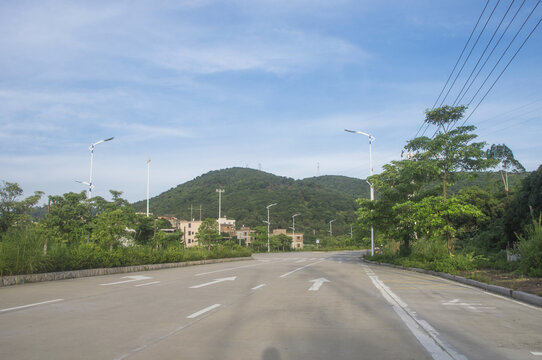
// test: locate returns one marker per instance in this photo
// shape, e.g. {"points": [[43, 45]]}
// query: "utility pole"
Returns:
{"points": [[190, 212], [199, 212]]}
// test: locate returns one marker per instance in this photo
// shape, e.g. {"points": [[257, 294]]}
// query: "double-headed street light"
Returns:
{"points": [[371, 139], [268, 223], [89, 183]]}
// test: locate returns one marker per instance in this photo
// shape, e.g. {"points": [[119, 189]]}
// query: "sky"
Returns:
{"points": [[202, 85]]}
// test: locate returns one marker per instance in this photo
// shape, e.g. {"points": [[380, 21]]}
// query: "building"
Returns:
{"points": [[297, 238], [189, 230], [244, 234]]}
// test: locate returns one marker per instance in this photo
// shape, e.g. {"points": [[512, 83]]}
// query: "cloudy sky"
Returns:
{"points": [[201, 85]]}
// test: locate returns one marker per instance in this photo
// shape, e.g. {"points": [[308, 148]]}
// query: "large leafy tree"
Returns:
{"points": [[12, 210], [208, 233], [506, 161], [68, 219], [452, 149]]}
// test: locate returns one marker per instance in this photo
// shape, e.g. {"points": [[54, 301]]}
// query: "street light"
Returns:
{"points": [[371, 139], [293, 227], [89, 183], [148, 181], [330, 229], [219, 191], [268, 223]]}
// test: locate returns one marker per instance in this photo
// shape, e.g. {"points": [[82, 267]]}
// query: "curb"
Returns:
{"points": [[74, 274], [522, 296]]}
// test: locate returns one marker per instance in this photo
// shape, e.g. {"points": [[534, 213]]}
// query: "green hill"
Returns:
{"points": [[248, 192]]}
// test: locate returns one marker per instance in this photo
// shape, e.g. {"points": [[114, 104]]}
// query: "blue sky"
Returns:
{"points": [[201, 85]]}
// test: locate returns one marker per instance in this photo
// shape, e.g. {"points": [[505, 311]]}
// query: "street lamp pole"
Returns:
{"points": [[371, 139], [91, 148], [293, 226], [330, 229], [148, 182], [268, 223], [219, 191]]}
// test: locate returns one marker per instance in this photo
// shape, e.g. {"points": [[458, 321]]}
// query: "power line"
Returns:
{"points": [[506, 67], [470, 53], [492, 50], [482, 55], [461, 55], [455, 66]]}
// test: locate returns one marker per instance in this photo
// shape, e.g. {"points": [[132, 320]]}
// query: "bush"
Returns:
{"points": [[530, 249]]}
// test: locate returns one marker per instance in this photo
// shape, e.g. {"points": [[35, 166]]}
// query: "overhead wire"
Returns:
{"points": [[456, 101], [506, 67], [492, 50], [470, 53], [455, 66]]}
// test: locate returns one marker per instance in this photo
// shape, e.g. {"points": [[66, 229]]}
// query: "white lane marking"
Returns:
{"points": [[301, 268], [425, 333], [201, 312], [131, 279], [31, 305], [301, 260], [258, 287], [233, 268], [317, 284], [476, 307], [535, 353], [216, 281], [146, 284]]}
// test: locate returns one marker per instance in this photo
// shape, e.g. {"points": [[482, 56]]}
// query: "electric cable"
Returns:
{"points": [[482, 55], [506, 67], [492, 50]]}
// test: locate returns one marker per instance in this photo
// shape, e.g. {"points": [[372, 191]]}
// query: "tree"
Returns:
{"points": [[506, 161], [14, 211], [68, 219], [451, 150], [109, 227], [208, 233], [525, 205]]}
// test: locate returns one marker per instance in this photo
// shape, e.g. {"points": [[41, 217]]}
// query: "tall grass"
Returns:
{"points": [[21, 252]]}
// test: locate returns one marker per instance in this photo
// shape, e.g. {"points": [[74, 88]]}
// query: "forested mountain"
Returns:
{"points": [[247, 192]]}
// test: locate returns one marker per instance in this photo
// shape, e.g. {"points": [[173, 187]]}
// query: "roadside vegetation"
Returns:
{"points": [[77, 233], [420, 223]]}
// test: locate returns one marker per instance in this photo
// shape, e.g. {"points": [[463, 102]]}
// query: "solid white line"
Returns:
{"points": [[425, 333], [301, 268], [258, 287], [30, 305], [201, 312], [536, 353], [151, 283]]}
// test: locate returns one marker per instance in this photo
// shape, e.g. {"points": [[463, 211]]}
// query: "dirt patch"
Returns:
{"points": [[506, 279]]}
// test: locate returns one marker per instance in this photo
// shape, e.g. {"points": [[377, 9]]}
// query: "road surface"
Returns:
{"points": [[277, 306]]}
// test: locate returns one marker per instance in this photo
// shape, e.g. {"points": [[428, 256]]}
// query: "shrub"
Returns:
{"points": [[530, 249]]}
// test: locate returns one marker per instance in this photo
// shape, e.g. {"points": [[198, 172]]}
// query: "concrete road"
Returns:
{"points": [[277, 306]]}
